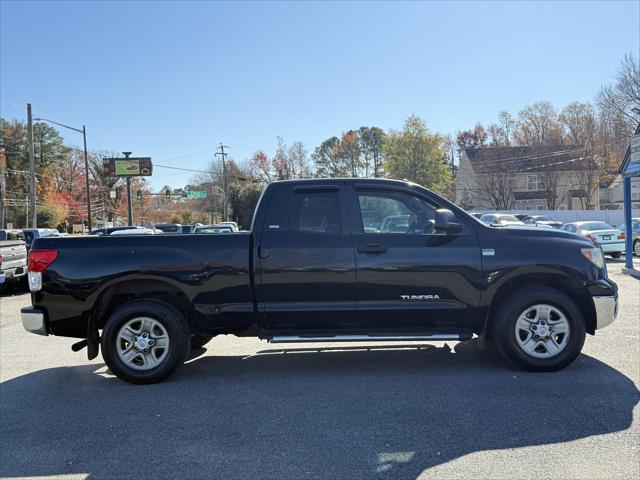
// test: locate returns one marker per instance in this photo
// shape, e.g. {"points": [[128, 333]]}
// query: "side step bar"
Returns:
{"points": [[370, 338]]}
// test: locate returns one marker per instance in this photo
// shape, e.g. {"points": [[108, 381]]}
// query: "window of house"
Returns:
{"points": [[316, 212], [532, 182]]}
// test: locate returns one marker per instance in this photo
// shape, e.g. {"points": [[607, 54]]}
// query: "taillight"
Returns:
{"points": [[591, 237], [621, 236], [41, 258]]}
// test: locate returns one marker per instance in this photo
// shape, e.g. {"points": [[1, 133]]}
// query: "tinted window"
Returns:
{"points": [[395, 212], [29, 236], [317, 212]]}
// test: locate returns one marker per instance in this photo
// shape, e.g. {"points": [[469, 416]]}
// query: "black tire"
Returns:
{"points": [[199, 341], [615, 254], [636, 248], [504, 324], [175, 326]]}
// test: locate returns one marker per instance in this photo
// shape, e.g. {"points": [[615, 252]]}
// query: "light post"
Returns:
{"points": [[129, 204], [83, 131]]}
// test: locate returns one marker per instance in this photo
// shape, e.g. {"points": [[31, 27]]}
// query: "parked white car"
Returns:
{"points": [[500, 220], [232, 225], [136, 231], [610, 239]]}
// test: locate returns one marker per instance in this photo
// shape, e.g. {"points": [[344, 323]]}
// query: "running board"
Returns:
{"points": [[369, 338]]}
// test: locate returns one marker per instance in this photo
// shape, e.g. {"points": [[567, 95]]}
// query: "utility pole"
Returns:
{"points": [[225, 207], [86, 175], [32, 171], [129, 206], [2, 190]]}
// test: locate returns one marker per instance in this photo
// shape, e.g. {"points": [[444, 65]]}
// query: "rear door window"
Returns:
{"points": [[316, 212]]}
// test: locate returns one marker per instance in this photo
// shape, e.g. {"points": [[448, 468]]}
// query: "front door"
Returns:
{"points": [[306, 263], [410, 276]]}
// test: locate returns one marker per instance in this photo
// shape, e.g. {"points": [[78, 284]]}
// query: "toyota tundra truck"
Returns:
{"points": [[326, 260]]}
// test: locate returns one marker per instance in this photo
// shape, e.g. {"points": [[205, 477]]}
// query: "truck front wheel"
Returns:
{"points": [[145, 341], [539, 329]]}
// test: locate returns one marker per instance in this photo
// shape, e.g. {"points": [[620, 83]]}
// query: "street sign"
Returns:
{"points": [[197, 194], [128, 167]]}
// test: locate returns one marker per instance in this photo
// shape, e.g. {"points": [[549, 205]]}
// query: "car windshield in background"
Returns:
{"points": [[592, 226]]}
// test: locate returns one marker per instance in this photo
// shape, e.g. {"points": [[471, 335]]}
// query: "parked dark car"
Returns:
{"points": [[169, 227], [309, 271]]}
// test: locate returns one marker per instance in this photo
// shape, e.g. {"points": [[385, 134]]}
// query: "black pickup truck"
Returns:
{"points": [[326, 260]]}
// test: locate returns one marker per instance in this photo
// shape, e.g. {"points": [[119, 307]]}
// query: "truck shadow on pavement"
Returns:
{"points": [[302, 413]]}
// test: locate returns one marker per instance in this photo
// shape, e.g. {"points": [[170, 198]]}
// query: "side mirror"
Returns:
{"points": [[446, 221]]}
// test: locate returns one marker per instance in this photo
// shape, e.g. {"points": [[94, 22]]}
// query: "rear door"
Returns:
{"points": [[410, 276], [306, 263]]}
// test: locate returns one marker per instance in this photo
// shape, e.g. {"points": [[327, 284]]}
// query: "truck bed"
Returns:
{"points": [[207, 269]]}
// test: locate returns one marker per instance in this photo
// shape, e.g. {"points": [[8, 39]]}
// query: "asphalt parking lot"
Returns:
{"points": [[247, 409]]}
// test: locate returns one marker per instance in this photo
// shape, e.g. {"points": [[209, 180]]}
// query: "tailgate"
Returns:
{"points": [[13, 254]]}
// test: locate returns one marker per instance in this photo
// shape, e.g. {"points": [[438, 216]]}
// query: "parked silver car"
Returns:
{"points": [[610, 239], [542, 221], [500, 220], [635, 232], [13, 251]]}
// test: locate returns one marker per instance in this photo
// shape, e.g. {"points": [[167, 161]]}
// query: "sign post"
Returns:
{"points": [[129, 167]]}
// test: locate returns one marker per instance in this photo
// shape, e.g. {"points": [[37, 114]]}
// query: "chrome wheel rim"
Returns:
{"points": [[637, 247], [542, 331], [142, 343]]}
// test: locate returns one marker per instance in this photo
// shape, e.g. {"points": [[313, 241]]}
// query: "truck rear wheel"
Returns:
{"points": [[145, 341], [539, 329]]}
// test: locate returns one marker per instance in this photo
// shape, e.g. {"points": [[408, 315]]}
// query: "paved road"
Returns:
{"points": [[244, 409]]}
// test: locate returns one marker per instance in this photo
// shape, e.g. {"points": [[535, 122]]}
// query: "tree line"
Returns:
{"points": [[413, 152]]}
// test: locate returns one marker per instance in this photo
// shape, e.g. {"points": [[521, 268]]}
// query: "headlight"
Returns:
{"points": [[594, 255]]}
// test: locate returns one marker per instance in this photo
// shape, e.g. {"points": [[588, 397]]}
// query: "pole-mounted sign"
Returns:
{"points": [[128, 167]]}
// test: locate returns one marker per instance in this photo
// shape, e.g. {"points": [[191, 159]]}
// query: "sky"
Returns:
{"points": [[172, 80]]}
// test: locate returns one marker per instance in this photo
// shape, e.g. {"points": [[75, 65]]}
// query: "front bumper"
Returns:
{"points": [[606, 310], [33, 321]]}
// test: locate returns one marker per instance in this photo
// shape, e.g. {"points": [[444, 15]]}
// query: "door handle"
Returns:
{"points": [[372, 248], [262, 252]]}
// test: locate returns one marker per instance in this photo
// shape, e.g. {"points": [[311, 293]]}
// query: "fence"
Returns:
{"points": [[612, 217]]}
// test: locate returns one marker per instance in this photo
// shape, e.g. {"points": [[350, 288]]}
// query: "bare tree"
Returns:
{"points": [[617, 100], [538, 125], [550, 177], [497, 189]]}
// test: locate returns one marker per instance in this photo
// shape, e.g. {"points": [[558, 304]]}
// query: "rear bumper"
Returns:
{"points": [[612, 247], [14, 272], [606, 310], [33, 321]]}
